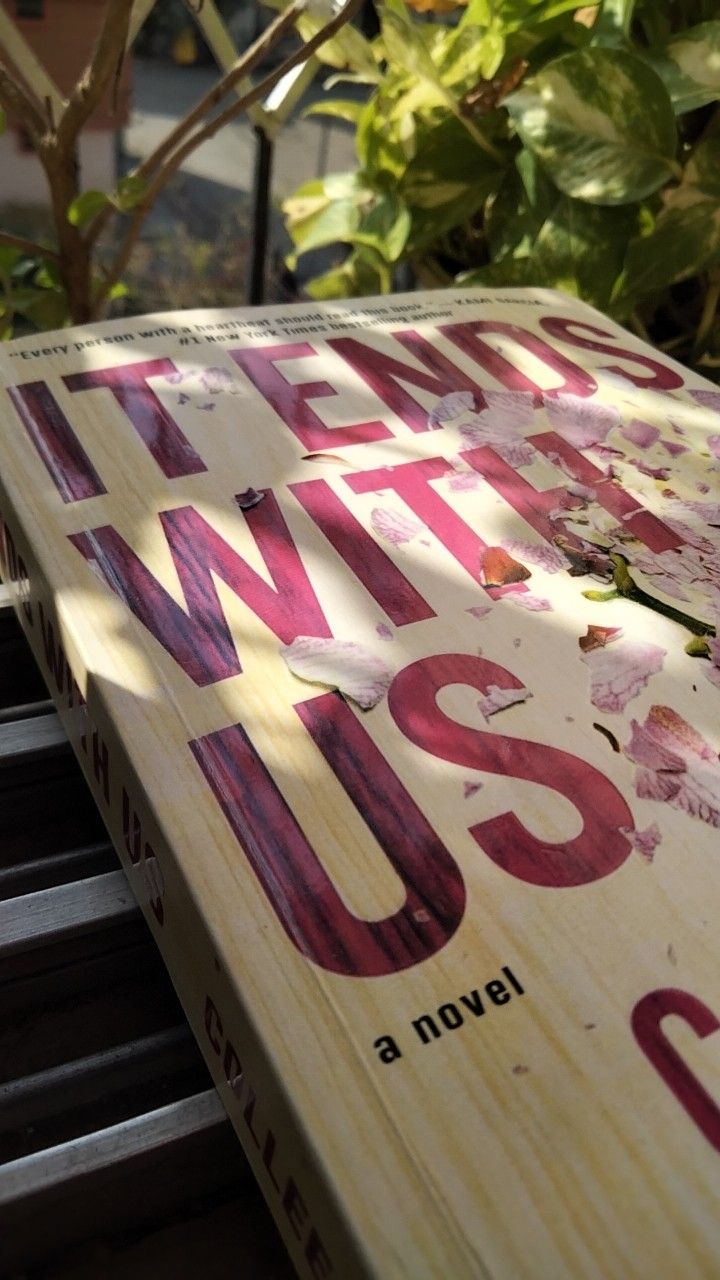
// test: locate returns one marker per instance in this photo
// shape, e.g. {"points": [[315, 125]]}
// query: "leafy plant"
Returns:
{"points": [[45, 285], [535, 142]]}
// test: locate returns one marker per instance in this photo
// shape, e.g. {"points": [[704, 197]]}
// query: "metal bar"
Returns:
{"points": [[27, 740], [27, 710], [34, 874], [261, 215], [158, 1130], [58, 1089], [69, 910]]}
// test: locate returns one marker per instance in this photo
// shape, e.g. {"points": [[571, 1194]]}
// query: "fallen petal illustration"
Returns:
{"points": [[581, 422], [451, 406], [538, 553], [497, 699], [640, 433], [675, 764], [342, 664], [620, 673], [393, 526]]}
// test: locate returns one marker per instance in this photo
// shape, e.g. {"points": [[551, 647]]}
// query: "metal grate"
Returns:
{"points": [[109, 1126]]}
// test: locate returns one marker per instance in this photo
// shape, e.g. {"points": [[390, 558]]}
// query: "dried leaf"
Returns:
{"points": [[607, 733], [598, 637], [498, 568], [248, 498], [342, 664]]}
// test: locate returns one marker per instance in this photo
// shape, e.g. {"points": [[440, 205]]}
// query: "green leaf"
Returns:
{"points": [[405, 45], [612, 27], [583, 246], [347, 50], [339, 108], [385, 228], [686, 235], [601, 123], [690, 67], [473, 53], [9, 257], [448, 180], [362, 274], [335, 224], [130, 191], [86, 206]]}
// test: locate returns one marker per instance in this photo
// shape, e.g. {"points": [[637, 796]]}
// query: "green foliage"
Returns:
{"points": [[535, 142]]}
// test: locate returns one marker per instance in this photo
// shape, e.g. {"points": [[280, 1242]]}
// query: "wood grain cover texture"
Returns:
{"points": [[452, 959]]}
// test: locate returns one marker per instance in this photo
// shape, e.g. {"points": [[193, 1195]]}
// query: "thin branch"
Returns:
{"points": [[237, 72], [19, 104], [173, 162], [30, 247], [244, 66], [100, 71]]}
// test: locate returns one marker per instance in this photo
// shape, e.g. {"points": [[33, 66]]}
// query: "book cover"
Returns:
{"points": [[386, 635]]}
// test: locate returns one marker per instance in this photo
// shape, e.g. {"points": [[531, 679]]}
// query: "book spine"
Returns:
{"points": [[308, 1215]]}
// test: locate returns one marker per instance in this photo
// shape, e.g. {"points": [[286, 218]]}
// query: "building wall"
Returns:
{"points": [[23, 181], [63, 38]]}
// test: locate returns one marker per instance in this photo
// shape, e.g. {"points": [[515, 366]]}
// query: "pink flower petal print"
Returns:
{"points": [[673, 448], [708, 399], [497, 699], [579, 421], [393, 526], [675, 764], [518, 453], [640, 433], [713, 444], [471, 789], [542, 554], [449, 407], [479, 611], [620, 673], [510, 410], [216, 380], [526, 600], [342, 664], [461, 481], [644, 842], [655, 473]]}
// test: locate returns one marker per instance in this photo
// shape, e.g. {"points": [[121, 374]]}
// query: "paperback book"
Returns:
{"points": [[386, 634]]}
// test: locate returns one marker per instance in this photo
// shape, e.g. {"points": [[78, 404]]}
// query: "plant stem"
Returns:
{"points": [[30, 247], [709, 310], [173, 162]]}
